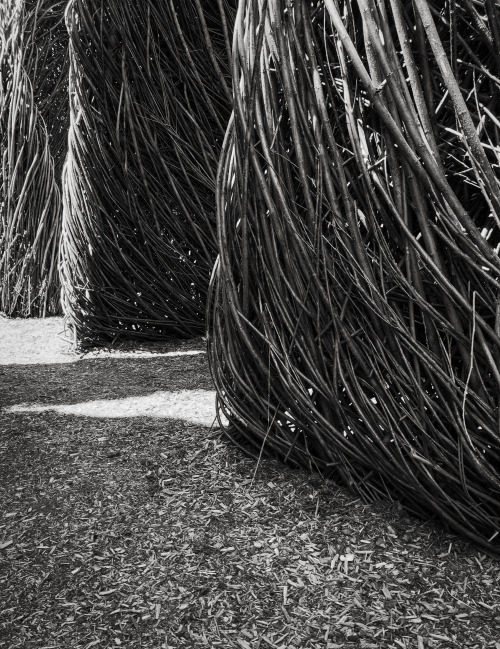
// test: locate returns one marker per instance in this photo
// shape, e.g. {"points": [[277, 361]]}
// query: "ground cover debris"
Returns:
{"points": [[144, 532]]}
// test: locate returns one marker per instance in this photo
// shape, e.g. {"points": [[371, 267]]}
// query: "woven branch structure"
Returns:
{"points": [[355, 312], [30, 202], [150, 100], [47, 64]]}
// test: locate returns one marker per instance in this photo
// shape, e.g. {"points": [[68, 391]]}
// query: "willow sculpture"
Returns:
{"points": [[47, 65], [150, 99], [355, 312], [29, 195]]}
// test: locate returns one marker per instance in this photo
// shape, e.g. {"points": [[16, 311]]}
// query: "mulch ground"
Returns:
{"points": [[156, 533]]}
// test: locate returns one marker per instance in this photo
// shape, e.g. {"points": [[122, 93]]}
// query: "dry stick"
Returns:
{"points": [[453, 291], [438, 178], [460, 105], [450, 308], [225, 31], [254, 55], [231, 291], [480, 24], [452, 10], [294, 122], [399, 90], [193, 67], [423, 223], [412, 71], [492, 11], [211, 53], [427, 76]]}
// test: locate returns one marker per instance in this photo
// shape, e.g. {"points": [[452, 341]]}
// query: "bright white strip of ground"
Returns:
{"points": [[193, 406], [44, 341]]}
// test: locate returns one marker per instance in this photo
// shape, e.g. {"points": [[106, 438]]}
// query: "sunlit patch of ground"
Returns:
{"points": [[193, 406], [48, 341]]}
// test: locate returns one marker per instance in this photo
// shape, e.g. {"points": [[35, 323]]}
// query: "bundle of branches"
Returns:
{"points": [[47, 65], [355, 312], [149, 106], [29, 197]]}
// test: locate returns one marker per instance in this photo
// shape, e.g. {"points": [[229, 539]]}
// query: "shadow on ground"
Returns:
{"points": [[101, 378]]}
